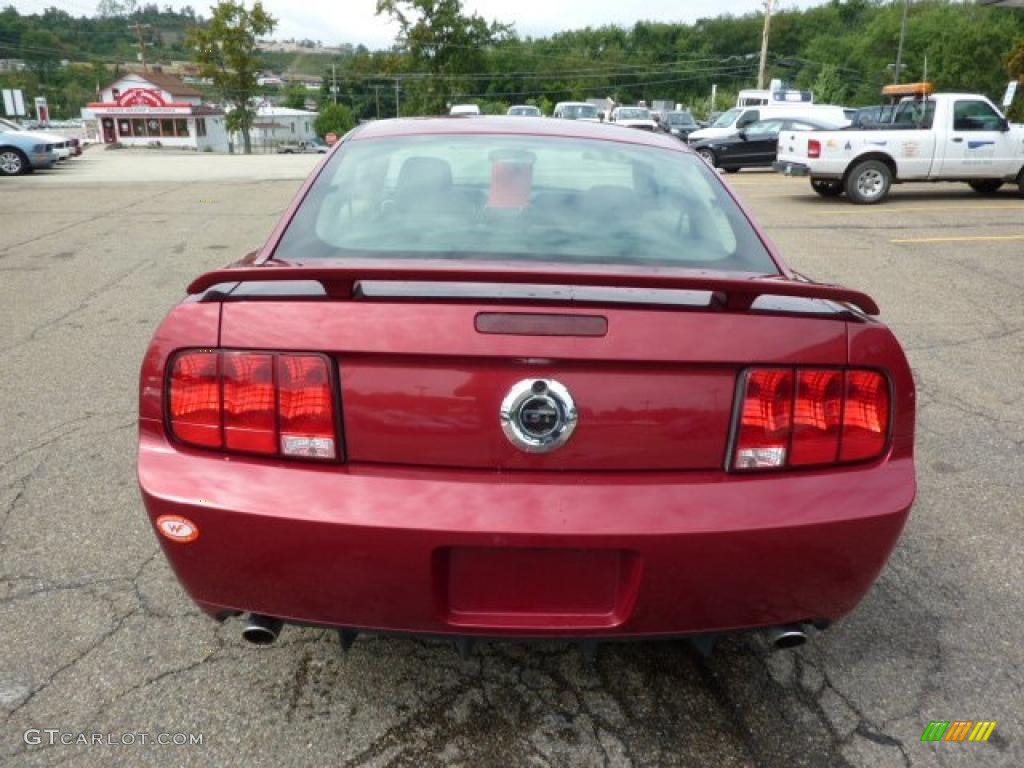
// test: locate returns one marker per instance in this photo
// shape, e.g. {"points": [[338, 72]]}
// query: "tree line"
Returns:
{"points": [[443, 55]]}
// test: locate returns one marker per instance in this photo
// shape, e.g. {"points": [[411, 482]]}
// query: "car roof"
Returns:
{"points": [[511, 126]]}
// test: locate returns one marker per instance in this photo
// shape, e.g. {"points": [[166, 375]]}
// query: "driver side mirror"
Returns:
{"points": [[1004, 125], [742, 133]]}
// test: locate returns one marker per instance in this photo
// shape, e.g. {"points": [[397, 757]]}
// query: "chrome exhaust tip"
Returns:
{"points": [[262, 630], [789, 636]]}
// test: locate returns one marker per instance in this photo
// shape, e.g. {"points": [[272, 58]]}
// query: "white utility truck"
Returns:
{"points": [[931, 137]]}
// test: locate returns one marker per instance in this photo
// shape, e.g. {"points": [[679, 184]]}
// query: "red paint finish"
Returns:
{"points": [[430, 520], [363, 545], [445, 413], [533, 588]]}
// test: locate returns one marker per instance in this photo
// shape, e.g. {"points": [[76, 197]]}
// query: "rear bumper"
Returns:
{"points": [[523, 554], [788, 168]]}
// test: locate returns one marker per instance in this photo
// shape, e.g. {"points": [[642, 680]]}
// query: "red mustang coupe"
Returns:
{"points": [[523, 377]]}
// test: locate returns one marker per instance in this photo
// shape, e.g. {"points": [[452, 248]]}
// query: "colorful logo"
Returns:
{"points": [[958, 730]]}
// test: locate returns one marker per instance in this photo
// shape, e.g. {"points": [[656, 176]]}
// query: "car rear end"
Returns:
{"points": [[821, 154], [582, 445]]}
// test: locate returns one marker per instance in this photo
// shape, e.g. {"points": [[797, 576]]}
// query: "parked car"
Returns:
{"points": [[679, 123], [464, 110], [315, 145], [577, 110], [633, 117], [524, 110], [595, 405], [62, 146], [932, 137], [754, 146], [738, 118], [24, 151]]}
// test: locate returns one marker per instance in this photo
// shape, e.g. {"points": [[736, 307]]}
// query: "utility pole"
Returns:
{"points": [[398, 111], [137, 28], [898, 69], [764, 43], [334, 82]]}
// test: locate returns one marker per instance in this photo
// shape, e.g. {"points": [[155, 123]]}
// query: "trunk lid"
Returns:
{"points": [[423, 381]]}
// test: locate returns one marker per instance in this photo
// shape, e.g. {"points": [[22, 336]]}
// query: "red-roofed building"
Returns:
{"points": [[141, 109]]}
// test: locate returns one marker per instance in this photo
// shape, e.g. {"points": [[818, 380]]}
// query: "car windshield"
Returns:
{"points": [[680, 118], [522, 198], [764, 128], [727, 118], [524, 111], [577, 111], [631, 113]]}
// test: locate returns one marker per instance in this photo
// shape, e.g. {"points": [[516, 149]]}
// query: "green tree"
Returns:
{"points": [[295, 96], [445, 42], [334, 118], [1015, 68], [225, 50], [829, 87]]}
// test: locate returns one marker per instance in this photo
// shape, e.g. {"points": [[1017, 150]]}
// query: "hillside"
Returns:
{"points": [[841, 49]]}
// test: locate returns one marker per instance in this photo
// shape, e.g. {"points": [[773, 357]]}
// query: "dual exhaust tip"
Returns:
{"points": [[263, 630], [787, 636]]}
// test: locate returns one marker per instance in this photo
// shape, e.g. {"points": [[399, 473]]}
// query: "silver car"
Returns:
{"points": [[24, 151]]}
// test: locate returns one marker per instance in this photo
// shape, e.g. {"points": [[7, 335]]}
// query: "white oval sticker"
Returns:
{"points": [[177, 528]]}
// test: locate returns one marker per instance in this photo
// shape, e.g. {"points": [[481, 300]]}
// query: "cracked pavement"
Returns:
{"points": [[97, 637]]}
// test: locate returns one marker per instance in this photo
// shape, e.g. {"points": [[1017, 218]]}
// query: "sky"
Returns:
{"points": [[354, 21]]}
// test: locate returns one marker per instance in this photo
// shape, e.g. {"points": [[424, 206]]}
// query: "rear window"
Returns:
{"points": [[526, 198]]}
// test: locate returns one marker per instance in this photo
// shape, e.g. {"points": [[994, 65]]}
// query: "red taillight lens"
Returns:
{"points": [[765, 419], [269, 403], [817, 417], [813, 148], [307, 406], [250, 411], [195, 402], [801, 417], [865, 416]]}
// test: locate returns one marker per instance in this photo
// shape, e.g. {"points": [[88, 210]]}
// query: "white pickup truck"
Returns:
{"points": [[932, 137]]}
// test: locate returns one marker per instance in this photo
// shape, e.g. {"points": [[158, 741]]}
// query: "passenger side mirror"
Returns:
{"points": [[1004, 125], [742, 134]]}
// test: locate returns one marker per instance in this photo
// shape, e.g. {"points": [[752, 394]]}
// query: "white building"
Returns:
{"points": [[279, 125], [147, 108]]}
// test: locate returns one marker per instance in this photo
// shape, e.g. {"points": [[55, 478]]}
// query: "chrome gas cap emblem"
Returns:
{"points": [[538, 415]]}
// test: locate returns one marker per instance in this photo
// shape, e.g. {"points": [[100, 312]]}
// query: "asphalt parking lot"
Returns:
{"points": [[97, 637]]}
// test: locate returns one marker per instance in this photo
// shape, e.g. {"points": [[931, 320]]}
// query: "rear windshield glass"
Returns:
{"points": [[539, 199], [578, 111]]}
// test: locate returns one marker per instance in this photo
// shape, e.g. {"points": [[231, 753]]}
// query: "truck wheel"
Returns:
{"points": [[709, 157], [986, 187], [12, 162], [869, 182], [827, 187]]}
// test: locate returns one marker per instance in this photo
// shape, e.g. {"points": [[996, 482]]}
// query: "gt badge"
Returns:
{"points": [[538, 415]]}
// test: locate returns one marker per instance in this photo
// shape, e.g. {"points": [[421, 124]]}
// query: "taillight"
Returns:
{"points": [[268, 403], [195, 401], [813, 148], [802, 417]]}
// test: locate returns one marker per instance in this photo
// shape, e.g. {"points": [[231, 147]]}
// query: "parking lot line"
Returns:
{"points": [[959, 239]]}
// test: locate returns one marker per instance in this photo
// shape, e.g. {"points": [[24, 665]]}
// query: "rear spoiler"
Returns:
{"points": [[737, 293]]}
